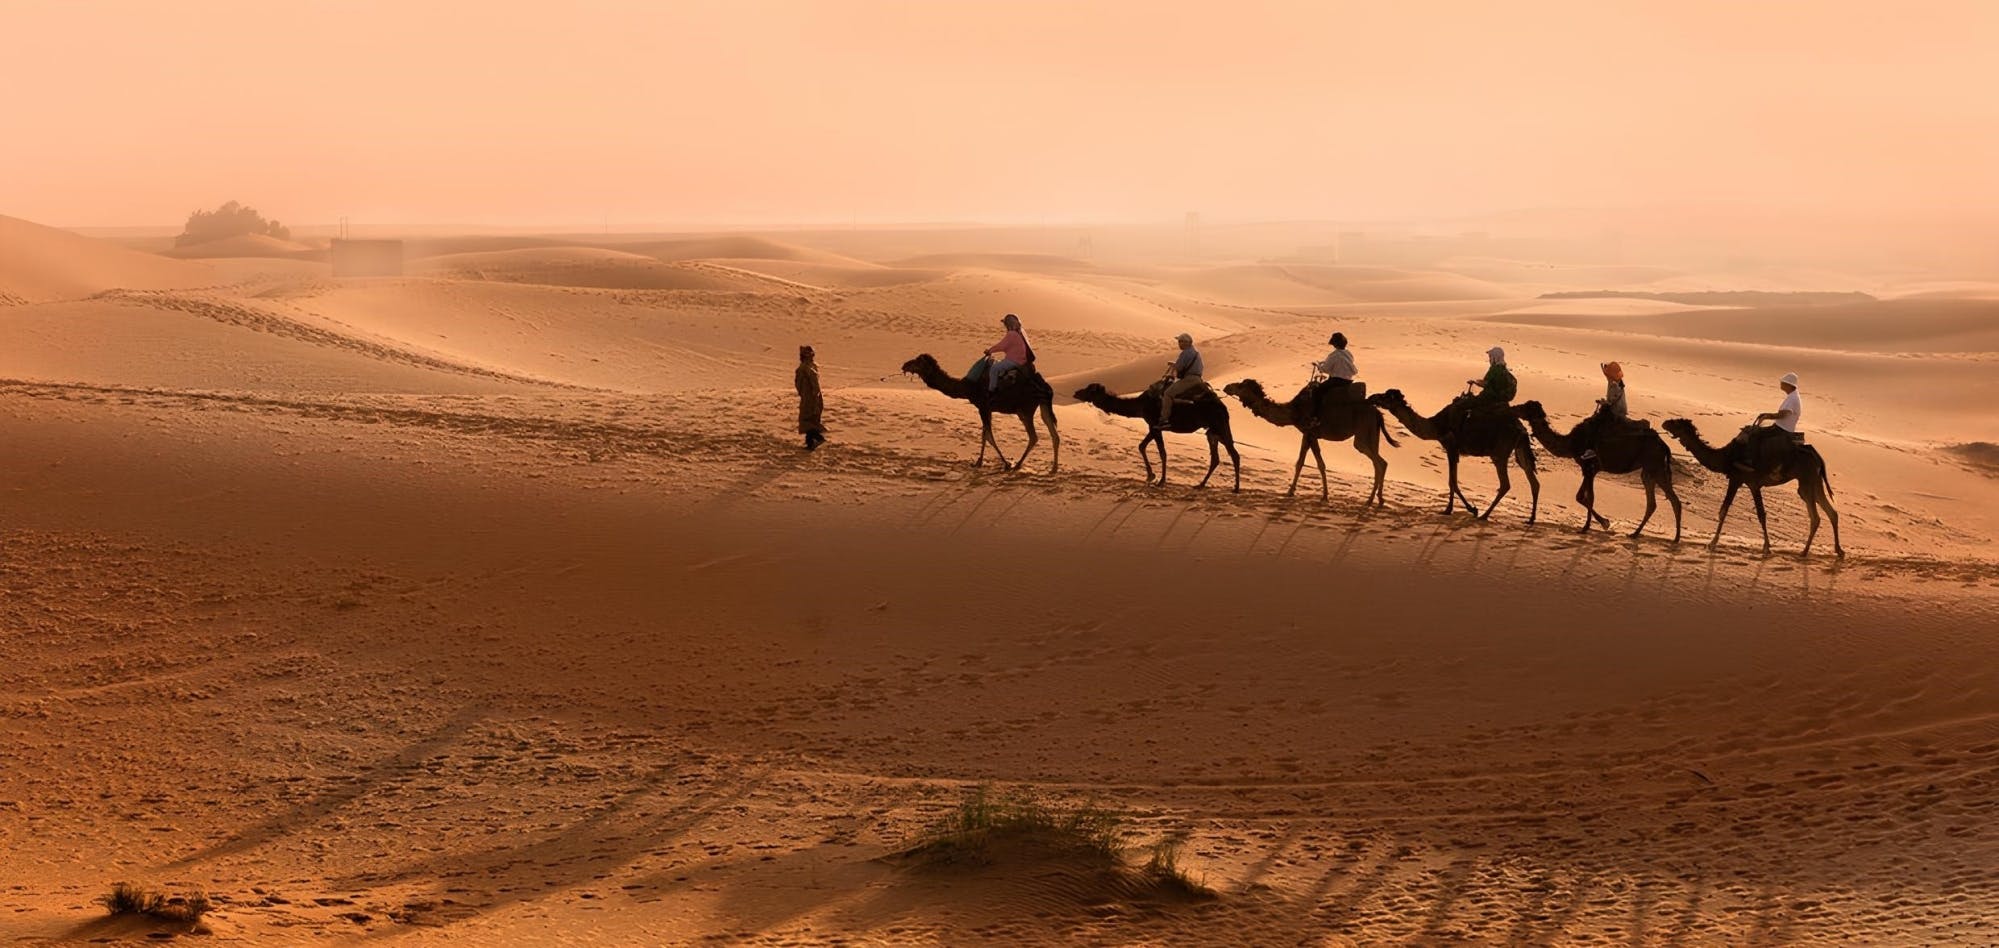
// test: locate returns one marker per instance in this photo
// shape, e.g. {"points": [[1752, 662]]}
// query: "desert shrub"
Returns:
{"points": [[229, 220]]}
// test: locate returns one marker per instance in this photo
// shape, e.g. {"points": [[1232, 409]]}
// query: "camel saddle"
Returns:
{"points": [[1201, 393], [1014, 375], [1331, 395]]}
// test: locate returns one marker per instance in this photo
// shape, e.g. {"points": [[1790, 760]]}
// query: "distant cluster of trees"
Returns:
{"points": [[229, 220], [1716, 297]]}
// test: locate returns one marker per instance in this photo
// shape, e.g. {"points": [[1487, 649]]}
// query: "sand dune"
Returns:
{"points": [[497, 604], [1904, 325], [43, 263], [588, 266], [242, 245], [1307, 284], [736, 246]]}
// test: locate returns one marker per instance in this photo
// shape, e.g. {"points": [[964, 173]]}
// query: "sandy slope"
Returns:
{"points": [[40, 263], [505, 612]]}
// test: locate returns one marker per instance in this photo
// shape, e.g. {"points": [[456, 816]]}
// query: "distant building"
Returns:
{"points": [[367, 258]]}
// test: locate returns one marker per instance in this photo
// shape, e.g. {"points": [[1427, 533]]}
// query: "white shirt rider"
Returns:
{"points": [[1789, 413], [1339, 364]]}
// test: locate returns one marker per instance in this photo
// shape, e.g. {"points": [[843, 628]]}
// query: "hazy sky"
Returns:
{"points": [[568, 111]]}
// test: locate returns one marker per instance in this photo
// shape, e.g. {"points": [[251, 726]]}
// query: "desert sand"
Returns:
{"points": [[498, 604]]}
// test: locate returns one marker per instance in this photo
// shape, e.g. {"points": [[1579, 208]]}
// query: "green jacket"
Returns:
{"points": [[1499, 386]]}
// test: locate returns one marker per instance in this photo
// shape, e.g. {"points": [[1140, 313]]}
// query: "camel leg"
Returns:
{"points": [[1586, 496], [1145, 456], [1651, 502], [1833, 515], [1214, 458], [1321, 460], [1055, 439], [1672, 497], [1235, 460], [1304, 445], [1505, 484], [1033, 438], [986, 438], [1589, 484], [1721, 518], [1456, 493], [1368, 443], [1763, 520], [1525, 455], [1811, 516]]}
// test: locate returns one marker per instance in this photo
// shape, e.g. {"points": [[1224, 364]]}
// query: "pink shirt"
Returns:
{"points": [[1012, 346]]}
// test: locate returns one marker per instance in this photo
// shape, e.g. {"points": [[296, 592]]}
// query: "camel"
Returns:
{"points": [[1638, 449], [1029, 392], [1206, 414], [1764, 463], [1336, 422], [1486, 434]]}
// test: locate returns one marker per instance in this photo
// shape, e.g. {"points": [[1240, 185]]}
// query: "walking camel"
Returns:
{"points": [[1622, 449], [1335, 422], [1019, 399], [1760, 463], [1205, 414], [1487, 434]]}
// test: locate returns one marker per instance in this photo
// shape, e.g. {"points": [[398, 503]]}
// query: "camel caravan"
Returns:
{"points": [[1481, 422]]}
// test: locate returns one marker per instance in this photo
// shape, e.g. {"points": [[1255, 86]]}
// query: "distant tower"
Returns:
{"points": [[1193, 233]]}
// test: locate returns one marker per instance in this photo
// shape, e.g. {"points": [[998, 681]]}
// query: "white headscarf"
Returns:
{"points": [[1497, 355]]}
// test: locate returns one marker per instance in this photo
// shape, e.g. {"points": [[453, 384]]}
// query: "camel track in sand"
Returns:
{"points": [[600, 438]]}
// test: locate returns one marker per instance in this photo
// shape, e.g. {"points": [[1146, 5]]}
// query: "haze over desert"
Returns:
{"points": [[497, 598]]}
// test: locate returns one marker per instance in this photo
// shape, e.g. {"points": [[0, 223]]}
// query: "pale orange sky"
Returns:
{"points": [[779, 112]]}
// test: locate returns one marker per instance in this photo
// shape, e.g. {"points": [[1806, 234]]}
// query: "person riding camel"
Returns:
{"points": [[1612, 402], [1498, 387], [1336, 370], [1791, 411], [1784, 419], [1185, 371], [1013, 351]]}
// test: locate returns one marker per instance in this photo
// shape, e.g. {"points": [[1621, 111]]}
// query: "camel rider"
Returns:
{"points": [[1496, 390], [1791, 411], [1612, 402], [1784, 419], [1012, 349], [1609, 408], [1186, 371], [1336, 370]]}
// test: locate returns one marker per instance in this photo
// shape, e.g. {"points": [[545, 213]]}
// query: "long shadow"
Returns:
{"points": [[405, 761], [1450, 888], [579, 853]]}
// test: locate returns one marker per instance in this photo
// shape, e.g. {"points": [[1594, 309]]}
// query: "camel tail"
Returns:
{"points": [[1825, 474], [1385, 436]]}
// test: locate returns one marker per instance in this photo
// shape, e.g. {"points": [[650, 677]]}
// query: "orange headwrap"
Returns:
{"points": [[1613, 371]]}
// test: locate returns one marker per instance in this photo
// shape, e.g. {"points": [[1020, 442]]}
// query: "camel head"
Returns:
{"points": [[1530, 411], [1388, 399], [1681, 428], [1245, 387], [920, 364], [1094, 391]]}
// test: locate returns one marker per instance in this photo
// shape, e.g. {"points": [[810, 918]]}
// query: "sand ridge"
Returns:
{"points": [[502, 605]]}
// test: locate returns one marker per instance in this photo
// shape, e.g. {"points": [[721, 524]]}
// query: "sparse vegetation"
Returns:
{"points": [[229, 220], [993, 827], [1163, 869], [989, 821], [128, 899]]}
